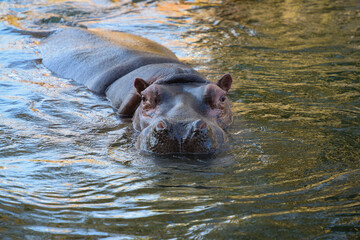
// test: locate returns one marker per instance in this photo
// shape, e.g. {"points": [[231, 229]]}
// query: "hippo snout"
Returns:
{"points": [[170, 136]]}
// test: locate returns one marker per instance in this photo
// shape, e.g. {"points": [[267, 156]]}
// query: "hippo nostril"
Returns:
{"points": [[161, 125], [200, 125]]}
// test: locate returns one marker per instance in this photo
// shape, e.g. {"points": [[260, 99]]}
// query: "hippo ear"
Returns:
{"points": [[225, 82], [140, 85]]}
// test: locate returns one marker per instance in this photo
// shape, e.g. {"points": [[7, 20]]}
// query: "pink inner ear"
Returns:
{"points": [[225, 82], [140, 85]]}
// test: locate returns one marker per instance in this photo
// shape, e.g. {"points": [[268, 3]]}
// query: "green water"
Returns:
{"points": [[68, 166]]}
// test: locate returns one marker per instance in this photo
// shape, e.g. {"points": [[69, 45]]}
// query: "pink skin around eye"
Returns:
{"points": [[149, 102], [215, 95], [149, 112], [215, 112], [148, 107]]}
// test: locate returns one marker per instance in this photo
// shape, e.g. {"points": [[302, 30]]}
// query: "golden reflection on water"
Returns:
{"points": [[314, 185], [63, 162], [173, 9]]}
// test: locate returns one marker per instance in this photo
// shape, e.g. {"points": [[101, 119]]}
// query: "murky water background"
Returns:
{"points": [[68, 168]]}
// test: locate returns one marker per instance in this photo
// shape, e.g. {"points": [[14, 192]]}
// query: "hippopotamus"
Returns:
{"points": [[174, 108]]}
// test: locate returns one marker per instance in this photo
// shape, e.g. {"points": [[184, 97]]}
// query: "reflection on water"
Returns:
{"points": [[69, 168]]}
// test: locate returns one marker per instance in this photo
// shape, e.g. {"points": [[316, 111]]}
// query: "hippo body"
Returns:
{"points": [[173, 107]]}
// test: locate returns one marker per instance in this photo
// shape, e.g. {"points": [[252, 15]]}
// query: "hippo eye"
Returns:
{"points": [[143, 98], [222, 99]]}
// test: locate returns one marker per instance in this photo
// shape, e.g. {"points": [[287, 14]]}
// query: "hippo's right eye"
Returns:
{"points": [[143, 98], [222, 99]]}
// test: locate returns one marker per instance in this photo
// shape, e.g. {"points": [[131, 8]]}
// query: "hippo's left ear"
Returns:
{"points": [[140, 85], [225, 82]]}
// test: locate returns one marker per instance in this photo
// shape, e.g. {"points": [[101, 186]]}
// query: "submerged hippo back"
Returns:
{"points": [[96, 58]]}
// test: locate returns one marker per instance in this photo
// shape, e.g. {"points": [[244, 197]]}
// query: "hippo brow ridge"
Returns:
{"points": [[182, 78]]}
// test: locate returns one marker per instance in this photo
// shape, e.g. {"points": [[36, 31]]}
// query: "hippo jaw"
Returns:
{"points": [[193, 137]]}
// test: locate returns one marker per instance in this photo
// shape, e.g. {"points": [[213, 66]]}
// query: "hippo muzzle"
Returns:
{"points": [[171, 136]]}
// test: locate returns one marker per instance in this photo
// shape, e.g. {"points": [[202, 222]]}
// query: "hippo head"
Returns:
{"points": [[182, 116]]}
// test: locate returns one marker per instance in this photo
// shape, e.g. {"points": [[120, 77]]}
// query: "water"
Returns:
{"points": [[68, 167]]}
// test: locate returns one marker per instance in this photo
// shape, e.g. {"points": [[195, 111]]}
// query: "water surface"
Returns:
{"points": [[68, 166]]}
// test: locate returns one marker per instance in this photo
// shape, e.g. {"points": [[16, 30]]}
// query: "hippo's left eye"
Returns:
{"points": [[143, 98], [222, 98]]}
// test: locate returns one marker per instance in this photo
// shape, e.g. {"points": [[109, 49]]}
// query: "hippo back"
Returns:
{"points": [[96, 58]]}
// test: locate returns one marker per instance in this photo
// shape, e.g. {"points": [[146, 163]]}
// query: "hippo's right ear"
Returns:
{"points": [[225, 82], [140, 85]]}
